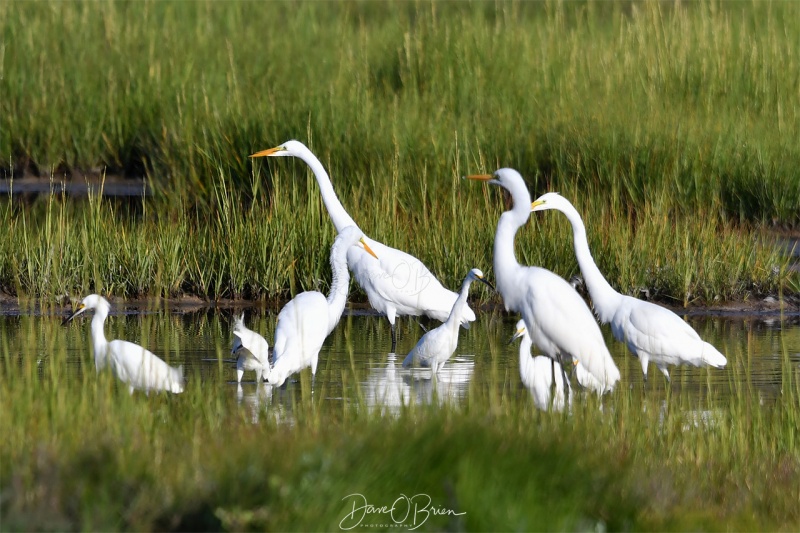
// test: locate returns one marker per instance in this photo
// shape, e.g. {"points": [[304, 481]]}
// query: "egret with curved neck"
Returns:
{"points": [[538, 373], [306, 321], [651, 332], [438, 345], [398, 283], [132, 364], [556, 317]]}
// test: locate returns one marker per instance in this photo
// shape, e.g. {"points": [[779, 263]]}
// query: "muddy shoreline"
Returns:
{"points": [[770, 306]]}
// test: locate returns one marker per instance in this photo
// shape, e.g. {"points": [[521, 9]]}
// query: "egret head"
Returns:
{"points": [[353, 236], [510, 180], [288, 149], [93, 301], [519, 332], [476, 275], [550, 200]]}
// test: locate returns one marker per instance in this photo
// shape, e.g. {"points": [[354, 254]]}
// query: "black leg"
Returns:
{"points": [[394, 340]]}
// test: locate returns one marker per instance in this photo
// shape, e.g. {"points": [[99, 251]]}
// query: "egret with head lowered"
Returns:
{"points": [[306, 321], [438, 345], [556, 317], [398, 283], [251, 349], [651, 332], [132, 364], [537, 374]]}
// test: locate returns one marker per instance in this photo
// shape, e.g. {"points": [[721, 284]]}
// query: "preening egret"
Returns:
{"points": [[306, 321], [537, 374], [398, 283], [132, 364], [436, 346], [252, 350], [651, 332], [556, 317]]}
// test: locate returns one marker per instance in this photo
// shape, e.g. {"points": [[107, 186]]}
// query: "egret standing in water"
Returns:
{"points": [[537, 374], [436, 346], [651, 332], [306, 321], [252, 350], [398, 283], [132, 364], [556, 317]]}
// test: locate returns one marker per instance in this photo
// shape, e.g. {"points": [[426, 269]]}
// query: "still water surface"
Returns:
{"points": [[355, 366]]}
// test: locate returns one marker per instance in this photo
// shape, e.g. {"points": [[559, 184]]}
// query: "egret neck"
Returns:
{"points": [[335, 208], [604, 298], [505, 260]]}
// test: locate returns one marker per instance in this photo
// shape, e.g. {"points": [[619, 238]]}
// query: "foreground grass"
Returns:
{"points": [[80, 453]]}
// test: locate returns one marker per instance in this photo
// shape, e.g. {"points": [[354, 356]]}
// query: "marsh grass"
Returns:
{"points": [[668, 126], [79, 452]]}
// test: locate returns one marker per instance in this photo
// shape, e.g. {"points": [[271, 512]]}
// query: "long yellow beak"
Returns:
{"points": [[367, 248], [265, 153], [536, 204], [480, 177]]}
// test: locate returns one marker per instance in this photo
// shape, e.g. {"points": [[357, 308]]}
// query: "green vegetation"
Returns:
{"points": [[671, 127], [78, 452]]}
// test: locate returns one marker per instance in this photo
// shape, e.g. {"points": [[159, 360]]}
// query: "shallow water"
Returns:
{"points": [[355, 366]]}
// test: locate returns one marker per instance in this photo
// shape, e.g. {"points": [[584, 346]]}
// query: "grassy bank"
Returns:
{"points": [[671, 127], [269, 249], [80, 453]]}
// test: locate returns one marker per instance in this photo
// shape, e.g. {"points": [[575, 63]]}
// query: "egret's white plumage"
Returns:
{"points": [[651, 332], [398, 283], [537, 374], [436, 346], [132, 364], [556, 317], [306, 321], [252, 350]]}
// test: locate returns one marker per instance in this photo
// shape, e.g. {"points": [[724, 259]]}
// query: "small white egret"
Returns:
{"points": [[132, 364], [556, 317], [436, 346], [398, 283], [651, 332], [537, 374], [306, 321], [252, 350]]}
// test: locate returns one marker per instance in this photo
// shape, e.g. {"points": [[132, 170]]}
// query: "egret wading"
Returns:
{"points": [[132, 364], [438, 345], [306, 321], [651, 332], [556, 317], [398, 283], [538, 374], [251, 349]]}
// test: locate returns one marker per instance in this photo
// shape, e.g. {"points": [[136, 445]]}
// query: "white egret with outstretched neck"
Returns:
{"points": [[538, 374], [251, 349], [306, 321], [132, 364], [398, 283], [651, 332], [436, 346], [556, 317]]}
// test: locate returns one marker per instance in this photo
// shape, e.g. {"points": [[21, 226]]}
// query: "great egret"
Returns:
{"points": [[437, 345], [557, 318], [306, 321], [252, 350], [537, 374], [132, 364], [651, 332], [398, 283]]}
